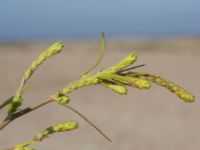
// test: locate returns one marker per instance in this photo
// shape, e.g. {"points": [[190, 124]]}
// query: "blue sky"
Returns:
{"points": [[72, 18]]}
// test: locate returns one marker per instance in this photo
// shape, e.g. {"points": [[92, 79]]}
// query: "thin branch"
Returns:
{"points": [[22, 112], [6, 102], [42, 104], [88, 121]]}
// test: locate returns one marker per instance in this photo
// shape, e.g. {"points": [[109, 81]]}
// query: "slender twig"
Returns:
{"points": [[6, 102], [42, 104], [88, 121]]}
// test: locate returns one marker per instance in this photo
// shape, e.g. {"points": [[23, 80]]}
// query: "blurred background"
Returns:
{"points": [[164, 34], [35, 20]]}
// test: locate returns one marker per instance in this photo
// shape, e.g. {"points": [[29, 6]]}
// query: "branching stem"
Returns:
{"points": [[6, 102], [22, 112]]}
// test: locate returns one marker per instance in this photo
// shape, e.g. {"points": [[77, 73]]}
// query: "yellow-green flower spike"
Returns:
{"points": [[180, 92], [116, 88], [89, 80], [61, 127], [17, 101], [127, 61], [66, 126], [52, 50], [139, 83]]}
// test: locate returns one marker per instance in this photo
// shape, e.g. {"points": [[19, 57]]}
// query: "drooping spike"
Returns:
{"points": [[180, 92]]}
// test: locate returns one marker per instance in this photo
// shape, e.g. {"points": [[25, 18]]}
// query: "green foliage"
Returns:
{"points": [[115, 78]]}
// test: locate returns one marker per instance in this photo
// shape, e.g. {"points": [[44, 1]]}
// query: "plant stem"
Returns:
{"points": [[42, 104], [22, 112], [88, 121], [6, 102]]}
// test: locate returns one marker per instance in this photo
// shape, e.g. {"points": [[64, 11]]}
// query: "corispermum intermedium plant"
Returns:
{"points": [[116, 78]]}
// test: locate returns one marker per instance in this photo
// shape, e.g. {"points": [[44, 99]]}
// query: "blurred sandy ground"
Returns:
{"points": [[153, 119]]}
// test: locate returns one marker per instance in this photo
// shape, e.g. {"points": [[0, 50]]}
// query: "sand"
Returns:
{"points": [[152, 119]]}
